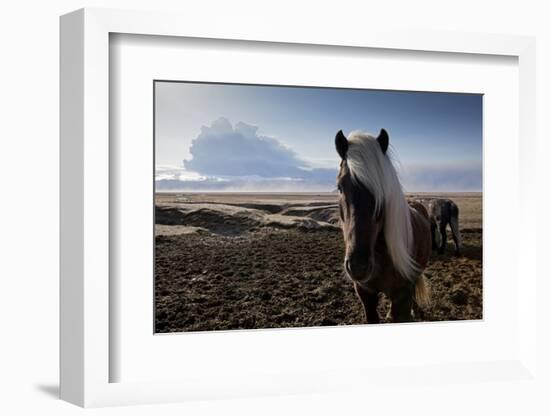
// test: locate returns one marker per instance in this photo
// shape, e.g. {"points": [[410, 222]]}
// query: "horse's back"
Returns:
{"points": [[420, 208], [443, 209]]}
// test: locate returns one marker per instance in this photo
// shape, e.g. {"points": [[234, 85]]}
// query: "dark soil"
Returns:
{"points": [[273, 278]]}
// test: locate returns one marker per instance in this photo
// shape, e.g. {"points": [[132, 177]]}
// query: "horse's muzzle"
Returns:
{"points": [[358, 271]]}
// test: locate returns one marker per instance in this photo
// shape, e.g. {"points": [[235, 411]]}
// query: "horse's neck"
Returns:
{"points": [[422, 238]]}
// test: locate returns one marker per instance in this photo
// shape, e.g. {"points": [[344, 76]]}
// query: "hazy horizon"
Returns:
{"points": [[199, 192], [267, 139]]}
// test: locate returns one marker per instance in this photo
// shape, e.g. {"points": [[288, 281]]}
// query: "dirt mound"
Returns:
{"points": [[168, 230], [231, 220], [324, 213], [302, 223], [270, 208], [216, 218]]}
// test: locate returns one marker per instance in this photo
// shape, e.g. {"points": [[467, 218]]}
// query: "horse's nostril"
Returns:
{"points": [[357, 270], [347, 266]]}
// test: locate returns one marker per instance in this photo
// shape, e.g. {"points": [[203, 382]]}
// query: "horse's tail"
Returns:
{"points": [[422, 292]]}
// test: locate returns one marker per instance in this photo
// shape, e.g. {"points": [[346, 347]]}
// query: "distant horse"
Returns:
{"points": [[444, 212], [387, 240]]}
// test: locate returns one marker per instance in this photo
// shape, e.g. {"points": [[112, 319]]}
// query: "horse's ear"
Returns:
{"points": [[341, 144], [383, 140]]}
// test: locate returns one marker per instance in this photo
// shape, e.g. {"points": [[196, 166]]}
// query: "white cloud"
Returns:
{"points": [[244, 158], [222, 150]]}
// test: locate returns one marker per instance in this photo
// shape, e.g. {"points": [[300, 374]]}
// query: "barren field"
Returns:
{"points": [[240, 261]]}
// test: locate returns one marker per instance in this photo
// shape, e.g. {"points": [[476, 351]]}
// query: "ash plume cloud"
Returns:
{"points": [[221, 150]]}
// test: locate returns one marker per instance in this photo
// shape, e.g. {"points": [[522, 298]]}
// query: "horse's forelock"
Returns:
{"points": [[373, 169]]}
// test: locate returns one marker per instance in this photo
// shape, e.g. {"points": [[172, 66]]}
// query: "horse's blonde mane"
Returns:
{"points": [[374, 170]]}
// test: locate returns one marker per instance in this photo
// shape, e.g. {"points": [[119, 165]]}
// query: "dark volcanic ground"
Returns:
{"points": [[286, 276]]}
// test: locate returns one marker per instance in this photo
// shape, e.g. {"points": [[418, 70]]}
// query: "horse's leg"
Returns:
{"points": [[433, 228], [370, 302], [456, 234], [401, 306], [443, 236], [419, 313]]}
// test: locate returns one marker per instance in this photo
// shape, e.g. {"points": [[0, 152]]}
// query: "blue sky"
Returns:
{"points": [[212, 137]]}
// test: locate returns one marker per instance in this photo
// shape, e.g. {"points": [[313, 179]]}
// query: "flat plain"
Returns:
{"points": [[250, 260]]}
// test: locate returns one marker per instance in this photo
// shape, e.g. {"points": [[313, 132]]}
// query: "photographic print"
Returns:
{"points": [[289, 206]]}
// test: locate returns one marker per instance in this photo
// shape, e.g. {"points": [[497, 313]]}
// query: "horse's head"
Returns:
{"points": [[361, 210]]}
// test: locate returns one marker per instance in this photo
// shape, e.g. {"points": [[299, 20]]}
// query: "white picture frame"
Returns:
{"points": [[85, 353]]}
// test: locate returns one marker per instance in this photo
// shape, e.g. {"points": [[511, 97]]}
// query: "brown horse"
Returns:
{"points": [[387, 239], [444, 212]]}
